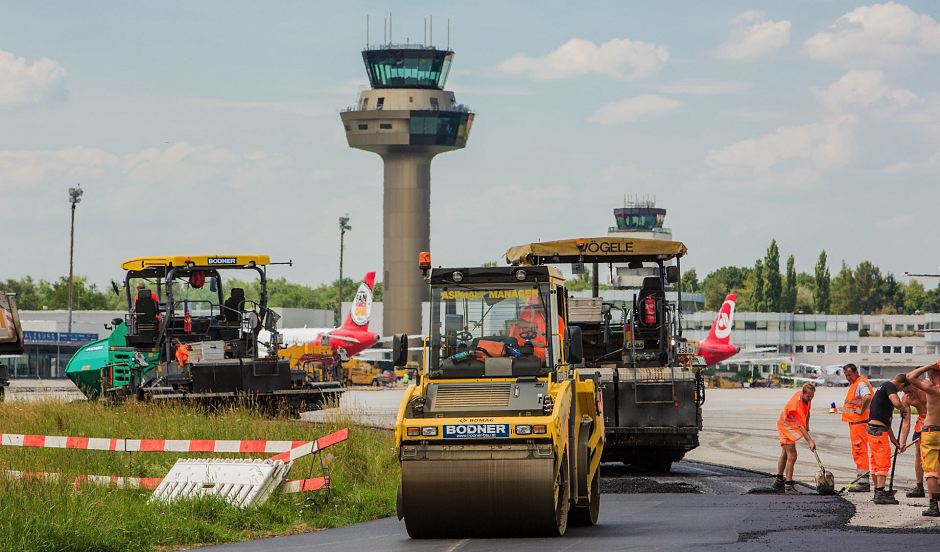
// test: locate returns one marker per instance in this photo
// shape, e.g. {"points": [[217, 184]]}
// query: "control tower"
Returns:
{"points": [[406, 117], [638, 218]]}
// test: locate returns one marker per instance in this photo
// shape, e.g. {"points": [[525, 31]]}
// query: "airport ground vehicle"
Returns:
{"points": [[651, 377], [501, 435], [11, 335], [183, 340]]}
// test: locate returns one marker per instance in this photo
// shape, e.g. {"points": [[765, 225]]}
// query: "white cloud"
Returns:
{"points": [[871, 35], [824, 145], [629, 110], [24, 169], [753, 37], [617, 58], [22, 83], [864, 89], [703, 87], [309, 109]]}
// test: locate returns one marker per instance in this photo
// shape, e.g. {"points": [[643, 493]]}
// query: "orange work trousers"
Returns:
{"points": [[859, 438], [880, 453]]}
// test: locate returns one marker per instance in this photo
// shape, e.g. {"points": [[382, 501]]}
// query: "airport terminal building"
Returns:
{"points": [[882, 344]]}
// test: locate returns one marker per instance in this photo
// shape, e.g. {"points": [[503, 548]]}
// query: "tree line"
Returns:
{"points": [[53, 295], [861, 289]]}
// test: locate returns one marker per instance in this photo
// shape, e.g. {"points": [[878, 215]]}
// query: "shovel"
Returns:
{"points": [[825, 481], [852, 482]]}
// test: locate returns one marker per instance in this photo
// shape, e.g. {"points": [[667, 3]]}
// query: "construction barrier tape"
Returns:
{"points": [[164, 445], [151, 483], [313, 446]]}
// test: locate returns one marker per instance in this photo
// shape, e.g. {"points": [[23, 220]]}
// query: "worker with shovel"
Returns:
{"points": [[855, 413], [915, 398], [881, 436], [793, 425], [930, 432]]}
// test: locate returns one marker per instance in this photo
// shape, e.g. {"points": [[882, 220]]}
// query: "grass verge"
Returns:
{"points": [[52, 516]]}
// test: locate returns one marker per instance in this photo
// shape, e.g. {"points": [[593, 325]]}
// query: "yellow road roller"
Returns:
{"points": [[501, 435]]}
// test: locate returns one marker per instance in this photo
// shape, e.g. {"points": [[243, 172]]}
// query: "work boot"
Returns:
{"points": [[861, 486], [882, 497], [933, 510], [778, 484], [916, 492], [789, 488]]}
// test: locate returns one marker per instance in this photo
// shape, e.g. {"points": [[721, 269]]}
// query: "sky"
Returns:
{"points": [[202, 127]]}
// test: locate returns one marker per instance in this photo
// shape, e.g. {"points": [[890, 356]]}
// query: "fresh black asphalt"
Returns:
{"points": [[697, 507]]}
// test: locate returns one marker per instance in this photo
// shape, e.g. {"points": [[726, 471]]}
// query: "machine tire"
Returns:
{"points": [[562, 502], [586, 516], [376, 383]]}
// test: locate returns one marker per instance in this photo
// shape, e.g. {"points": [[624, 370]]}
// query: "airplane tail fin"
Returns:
{"points": [[721, 327], [358, 318]]}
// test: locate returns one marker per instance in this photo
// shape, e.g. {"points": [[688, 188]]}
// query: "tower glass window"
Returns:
{"points": [[407, 67]]}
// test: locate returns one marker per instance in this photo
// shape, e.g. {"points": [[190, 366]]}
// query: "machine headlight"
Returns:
{"points": [[520, 275], [457, 277], [523, 430], [428, 431]]}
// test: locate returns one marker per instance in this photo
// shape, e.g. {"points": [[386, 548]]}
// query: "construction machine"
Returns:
{"points": [[502, 435], [11, 336], [182, 339], [651, 377]]}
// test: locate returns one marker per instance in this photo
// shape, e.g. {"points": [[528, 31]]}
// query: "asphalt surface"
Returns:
{"points": [[697, 507]]}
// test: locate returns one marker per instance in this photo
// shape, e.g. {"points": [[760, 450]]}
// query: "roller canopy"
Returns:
{"points": [[594, 250]]}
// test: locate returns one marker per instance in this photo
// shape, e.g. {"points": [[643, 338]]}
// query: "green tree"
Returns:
{"points": [[773, 289], [689, 282], [915, 297], [788, 299], [844, 296], [869, 288], [757, 300], [892, 296], [821, 289], [722, 281]]}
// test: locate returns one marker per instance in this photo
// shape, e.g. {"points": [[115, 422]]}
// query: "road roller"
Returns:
{"points": [[501, 435]]}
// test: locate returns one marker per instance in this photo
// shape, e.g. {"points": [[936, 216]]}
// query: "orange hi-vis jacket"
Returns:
{"points": [[852, 403], [794, 416]]}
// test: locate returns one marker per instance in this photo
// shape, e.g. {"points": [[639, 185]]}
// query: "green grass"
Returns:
{"points": [[52, 516]]}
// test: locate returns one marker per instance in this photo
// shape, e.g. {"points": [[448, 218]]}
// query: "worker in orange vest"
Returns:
{"points": [[855, 413], [793, 425]]}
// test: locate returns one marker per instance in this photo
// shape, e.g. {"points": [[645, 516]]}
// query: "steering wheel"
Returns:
{"points": [[464, 336], [528, 334]]}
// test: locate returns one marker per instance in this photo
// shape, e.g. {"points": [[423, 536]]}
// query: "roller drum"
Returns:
{"points": [[483, 497]]}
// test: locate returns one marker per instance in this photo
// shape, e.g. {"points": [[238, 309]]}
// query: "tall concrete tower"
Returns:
{"points": [[406, 117]]}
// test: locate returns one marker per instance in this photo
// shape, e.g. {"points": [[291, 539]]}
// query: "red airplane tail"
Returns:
{"points": [[721, 327], [361, 310]]}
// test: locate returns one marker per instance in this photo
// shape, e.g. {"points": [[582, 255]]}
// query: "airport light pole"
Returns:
{"points": [[343, 226], [75, 196]]}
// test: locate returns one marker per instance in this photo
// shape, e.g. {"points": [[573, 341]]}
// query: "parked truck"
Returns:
{"points": [[11, 336]]}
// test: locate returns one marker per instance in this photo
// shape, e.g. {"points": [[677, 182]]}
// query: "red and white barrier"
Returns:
{"points": [[151, 483], [288, 451], [167, 445], [313, 447]]}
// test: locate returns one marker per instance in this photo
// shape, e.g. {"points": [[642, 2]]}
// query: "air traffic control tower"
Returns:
{"points": [[406, 117]]}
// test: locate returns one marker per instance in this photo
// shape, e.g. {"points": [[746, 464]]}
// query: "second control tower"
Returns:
{"points": [[406, 117]]}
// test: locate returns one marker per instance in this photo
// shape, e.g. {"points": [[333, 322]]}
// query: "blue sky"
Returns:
{"points": [[214, 126]]}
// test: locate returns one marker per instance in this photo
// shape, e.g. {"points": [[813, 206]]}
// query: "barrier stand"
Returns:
{"points": [[288, 453]]}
